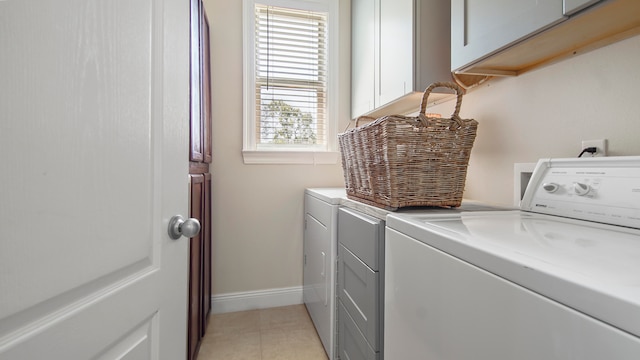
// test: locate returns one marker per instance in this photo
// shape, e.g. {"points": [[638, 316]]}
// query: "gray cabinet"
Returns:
{"points": [[351, 343], [573, 6], [496, 37], [360, 285], [481, 27], [399, 47]]}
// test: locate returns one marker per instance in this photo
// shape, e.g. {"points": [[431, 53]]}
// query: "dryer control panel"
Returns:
{"points": [[605, 189]]}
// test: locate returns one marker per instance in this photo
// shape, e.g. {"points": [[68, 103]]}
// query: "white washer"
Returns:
{"points": [[558, 280]]}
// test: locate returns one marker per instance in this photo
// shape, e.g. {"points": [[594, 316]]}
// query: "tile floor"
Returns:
{"points": [[282, 333]]}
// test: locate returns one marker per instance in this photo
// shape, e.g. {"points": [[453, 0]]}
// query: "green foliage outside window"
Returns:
{"points": [[289, 124]]}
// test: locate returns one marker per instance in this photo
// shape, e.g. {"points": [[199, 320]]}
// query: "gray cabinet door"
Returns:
{"points": [[359, 290], [397, 47], [363, 235], [481, 27], [360, 287], [573, 6], [351, 343]]}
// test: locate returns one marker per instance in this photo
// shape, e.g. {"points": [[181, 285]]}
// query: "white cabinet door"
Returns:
{"points": [[396, 54], [481, 27], [363, 41], [397, 51], [382, 52], [319, 267], [316, 248], [93, 145]]}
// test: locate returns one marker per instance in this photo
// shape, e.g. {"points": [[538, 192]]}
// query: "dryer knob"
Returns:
{"points": [[581, 189], [550, 187]]}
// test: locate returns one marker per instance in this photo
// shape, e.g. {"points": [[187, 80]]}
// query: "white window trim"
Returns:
{"points": [[250, 151]]}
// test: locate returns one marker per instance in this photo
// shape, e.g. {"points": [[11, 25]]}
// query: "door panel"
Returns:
{"points": [[205, 86], [195, 145], [195, 268], [77, 99], [95, 134], [135, 345], [206, 249]]}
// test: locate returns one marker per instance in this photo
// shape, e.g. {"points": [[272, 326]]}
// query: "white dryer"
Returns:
{"points": [[319, 260], [558, 279]]}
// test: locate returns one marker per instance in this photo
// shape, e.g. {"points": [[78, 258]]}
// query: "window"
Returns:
{"points": [[289, 82]]}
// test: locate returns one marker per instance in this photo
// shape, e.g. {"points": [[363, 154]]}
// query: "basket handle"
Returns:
{"points": [[357, 120], [364, 117], [459, 92]]}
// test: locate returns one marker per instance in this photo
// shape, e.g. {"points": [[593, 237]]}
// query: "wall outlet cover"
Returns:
{"points": [[600, 144]]}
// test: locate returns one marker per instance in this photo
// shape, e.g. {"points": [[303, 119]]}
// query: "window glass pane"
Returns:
{"points": [[290, 66]]}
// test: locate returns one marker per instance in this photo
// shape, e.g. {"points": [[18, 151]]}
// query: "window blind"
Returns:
{"points": [[290, 70]]}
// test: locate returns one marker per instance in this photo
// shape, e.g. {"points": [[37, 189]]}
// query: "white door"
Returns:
{"points": [[93, 163]]}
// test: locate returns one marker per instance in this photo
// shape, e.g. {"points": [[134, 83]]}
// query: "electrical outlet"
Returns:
{"points": [[600, 144]]}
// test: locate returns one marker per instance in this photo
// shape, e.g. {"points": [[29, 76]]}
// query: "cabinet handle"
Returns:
{"points": [[326, 281]]}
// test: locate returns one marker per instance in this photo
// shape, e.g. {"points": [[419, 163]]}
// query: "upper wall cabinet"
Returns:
{"points": [[572, 6], [480, 27], [495, 37], [399, 47]]}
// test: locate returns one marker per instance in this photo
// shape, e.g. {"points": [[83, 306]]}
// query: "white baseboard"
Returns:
{"points": [[252, 300]]}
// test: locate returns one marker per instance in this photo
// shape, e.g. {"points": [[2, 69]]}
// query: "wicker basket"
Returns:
{"points": [[398, 161]]}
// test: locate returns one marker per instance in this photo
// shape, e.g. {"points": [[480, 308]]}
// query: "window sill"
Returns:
{"points": [[291, 157]]}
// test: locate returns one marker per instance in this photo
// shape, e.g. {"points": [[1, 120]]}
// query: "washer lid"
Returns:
{"points": [[591, 267]]}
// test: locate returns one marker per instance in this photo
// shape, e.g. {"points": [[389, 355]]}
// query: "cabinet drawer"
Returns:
{"points": [[351, 343], [317, 208], [363, 235], [359, 290]]}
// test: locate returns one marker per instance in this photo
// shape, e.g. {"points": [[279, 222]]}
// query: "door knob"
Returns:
{"points": [[178, 226]]}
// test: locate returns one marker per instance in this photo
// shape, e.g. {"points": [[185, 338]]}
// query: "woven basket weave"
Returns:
{"points": [[398, 161]]}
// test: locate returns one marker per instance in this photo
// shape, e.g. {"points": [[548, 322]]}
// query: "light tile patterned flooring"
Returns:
{"points": [[282, 333]]}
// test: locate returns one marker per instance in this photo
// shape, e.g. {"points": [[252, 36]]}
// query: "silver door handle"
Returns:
{"points": [[178, 226]]}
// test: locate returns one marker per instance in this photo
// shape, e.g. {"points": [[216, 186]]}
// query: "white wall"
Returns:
{"points": [[257, 209], [547, 112]]}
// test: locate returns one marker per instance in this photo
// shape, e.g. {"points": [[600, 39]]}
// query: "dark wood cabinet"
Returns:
{"points": [[200, 156], [205, 86], [200, 104], [195, 140], [199, 262], [206, 252], [196, 267]]}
